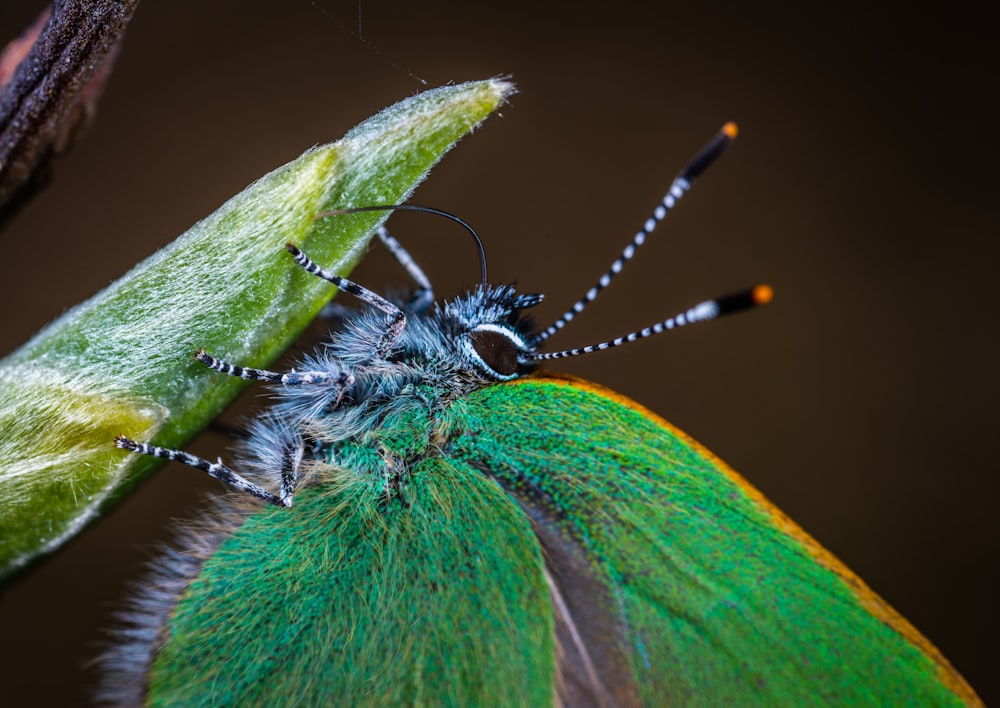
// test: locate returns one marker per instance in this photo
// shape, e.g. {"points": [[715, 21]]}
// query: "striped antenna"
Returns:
{"points": [[702, 312], [681, 184]]}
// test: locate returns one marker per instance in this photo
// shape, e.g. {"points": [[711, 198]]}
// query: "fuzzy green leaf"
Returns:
{"points": [[121, 363]]}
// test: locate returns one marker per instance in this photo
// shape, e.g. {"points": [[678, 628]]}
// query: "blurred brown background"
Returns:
{"points": [[862, 401]]}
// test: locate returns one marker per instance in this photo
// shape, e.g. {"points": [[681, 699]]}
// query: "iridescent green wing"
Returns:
{"points": [[676, 578], [347, 600]]}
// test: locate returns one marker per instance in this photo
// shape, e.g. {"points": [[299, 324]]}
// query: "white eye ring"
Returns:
{"points": [[473, 355], [510, 334]]}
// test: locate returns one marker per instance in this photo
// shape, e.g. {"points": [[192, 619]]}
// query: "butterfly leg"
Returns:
{"points": [[395, 319], [423, 297], [341, 379], [223, 473], [420, 301], [291, 453]]}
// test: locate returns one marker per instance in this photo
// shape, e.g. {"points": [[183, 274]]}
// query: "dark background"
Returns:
{"points": [[862, 187]]}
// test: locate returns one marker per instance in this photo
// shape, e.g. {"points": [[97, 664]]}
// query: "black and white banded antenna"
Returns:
{"points": [[681, 184], [702, 312]]}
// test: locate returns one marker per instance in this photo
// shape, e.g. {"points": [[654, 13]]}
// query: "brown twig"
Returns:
{"points": [[51, 78]]}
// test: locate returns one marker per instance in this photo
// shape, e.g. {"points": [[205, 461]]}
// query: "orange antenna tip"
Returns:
{"points": [[762, 294], [730, 130]]}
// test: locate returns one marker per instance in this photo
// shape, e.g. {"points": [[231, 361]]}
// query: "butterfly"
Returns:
{"points": [[424, 516]]}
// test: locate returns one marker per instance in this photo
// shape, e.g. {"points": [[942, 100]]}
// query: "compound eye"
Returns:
{"points": [[496, 349]]}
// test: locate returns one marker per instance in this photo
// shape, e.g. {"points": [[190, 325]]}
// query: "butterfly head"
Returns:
{"points": [[492, 336]]}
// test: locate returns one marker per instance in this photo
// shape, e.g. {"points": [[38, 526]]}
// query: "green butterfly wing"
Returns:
{"points": [[345, 600], [555, 543], [674, 575]]}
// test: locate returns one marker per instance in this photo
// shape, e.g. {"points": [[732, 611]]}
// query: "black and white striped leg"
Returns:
{"points": [[220, 471], [423, 297], [292, 378], [395, 319]]}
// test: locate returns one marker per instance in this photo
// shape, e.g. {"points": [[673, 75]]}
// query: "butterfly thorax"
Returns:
{"points": [[388, 415]]}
